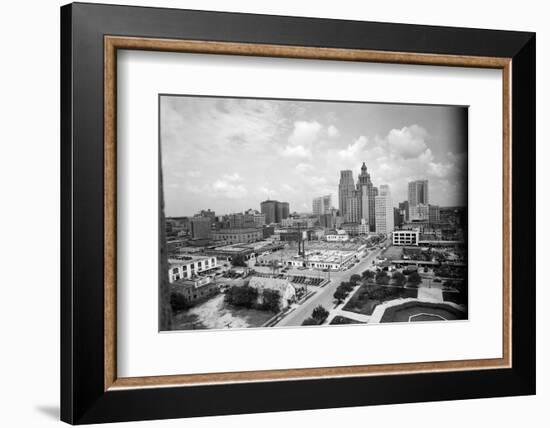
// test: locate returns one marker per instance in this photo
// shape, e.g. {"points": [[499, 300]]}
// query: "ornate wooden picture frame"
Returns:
{"points": [[91, 389]]}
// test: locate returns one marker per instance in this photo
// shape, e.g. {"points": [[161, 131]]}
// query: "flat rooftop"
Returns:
{"points": [[181, 259]]}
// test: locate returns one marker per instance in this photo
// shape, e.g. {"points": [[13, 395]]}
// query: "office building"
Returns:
{"points": [[404, 210], [384, 222], [256, 217], [322, 205], [406, 237], [200, 227], [237, 236], [207, 213], [366, 193], [433, 214], [419, 212], [418, 193], [353, 209], [346, 189], [274, 211], [327, 221]]}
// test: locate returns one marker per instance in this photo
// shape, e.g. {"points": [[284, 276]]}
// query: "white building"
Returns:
{"points": [[383, 211], [406, 237], [337, 237], [283, 286], [190, 266]]}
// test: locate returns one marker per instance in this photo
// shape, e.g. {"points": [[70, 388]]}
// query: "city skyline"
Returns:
{"points": [[230, 154]]}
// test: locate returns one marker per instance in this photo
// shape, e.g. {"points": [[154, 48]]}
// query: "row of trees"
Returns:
{"points": [[247, 297], [318, 316], [343, 290], [447, 271], [380, 294], [383, 278]]}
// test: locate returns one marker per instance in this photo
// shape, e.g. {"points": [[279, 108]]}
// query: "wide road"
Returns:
{"points": [[324, 296]]}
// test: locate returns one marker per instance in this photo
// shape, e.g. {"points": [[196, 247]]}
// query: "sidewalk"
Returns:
{"points": [[347, 314]]}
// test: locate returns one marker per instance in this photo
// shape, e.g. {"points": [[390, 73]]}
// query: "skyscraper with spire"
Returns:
{"points": [[366, 193]]}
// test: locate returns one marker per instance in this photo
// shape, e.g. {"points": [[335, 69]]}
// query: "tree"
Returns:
{"points": [[354, 278], [178, 302], [382, 278], [244, 296], [346, 286], [448, 283], [414, 279], [399, 278], [368, 275], [340, 294], [238, 260], [271, 300], [320, 314]]}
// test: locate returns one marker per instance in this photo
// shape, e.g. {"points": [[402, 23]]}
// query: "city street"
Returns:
{"points": [[324, 297]]}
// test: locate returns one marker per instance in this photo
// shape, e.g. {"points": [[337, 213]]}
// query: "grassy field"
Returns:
{"points": [[422, 311], [451, 296], [339, 320], [362, 301]]}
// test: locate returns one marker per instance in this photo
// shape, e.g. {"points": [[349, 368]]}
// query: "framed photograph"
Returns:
{"points": [[277, 213]]}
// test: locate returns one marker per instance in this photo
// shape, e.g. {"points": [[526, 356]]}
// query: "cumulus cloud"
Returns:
{"points": [[354, 150], [399, 156], [229, 154], [192, 174], [304, 133], [333, 131], [303, 167], [296, 152], [229, 189], [407, 142], [232, 177]]}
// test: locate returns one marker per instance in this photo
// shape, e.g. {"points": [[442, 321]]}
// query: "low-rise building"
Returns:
{"points": [[284, 287], [188, 266], [195, 289], [337, 237], [236, 236], [227, 252]]}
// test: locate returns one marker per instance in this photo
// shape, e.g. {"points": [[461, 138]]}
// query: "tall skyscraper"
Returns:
{"points": [[384, 190], [353, 209], [322, 205], [274, 211], [384, 221], [346, 189], [404, 210], [367, 193], [418, 192]]}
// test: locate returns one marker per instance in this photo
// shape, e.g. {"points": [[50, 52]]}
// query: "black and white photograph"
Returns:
{"points": [[287, 213]]}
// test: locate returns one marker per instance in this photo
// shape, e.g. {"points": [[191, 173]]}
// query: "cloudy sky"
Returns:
{"points": [[229, 154]]}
